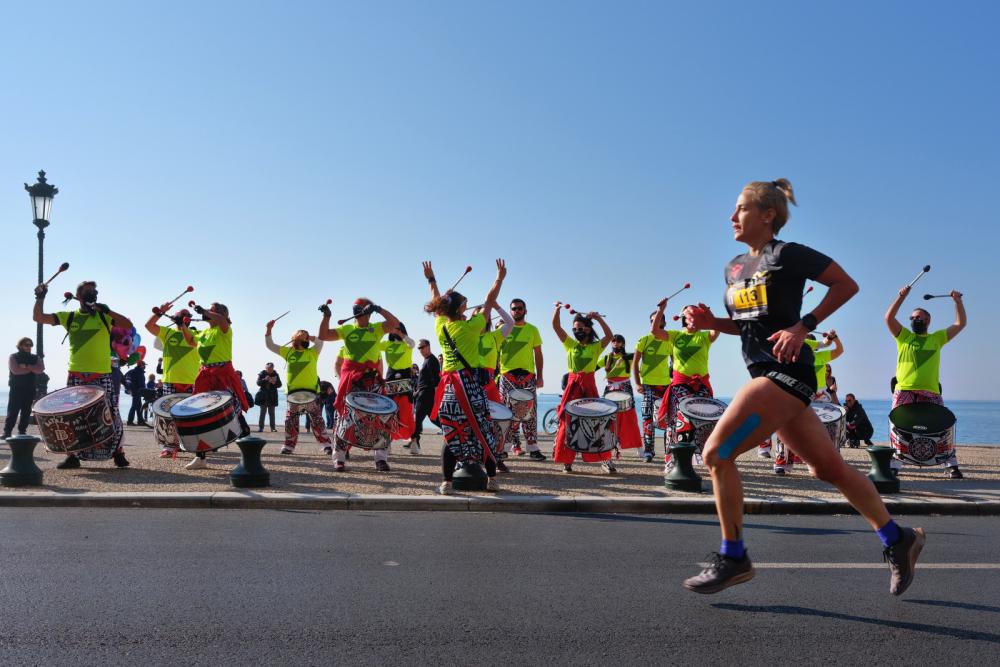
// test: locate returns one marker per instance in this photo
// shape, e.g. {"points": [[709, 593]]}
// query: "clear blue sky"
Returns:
{"points": [[276, 154]]}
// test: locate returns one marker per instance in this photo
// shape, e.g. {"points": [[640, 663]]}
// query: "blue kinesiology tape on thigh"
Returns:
{"points": [[741, 433]]}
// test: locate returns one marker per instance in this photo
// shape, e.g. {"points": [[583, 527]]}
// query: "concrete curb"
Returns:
{"points": [[478, 503]]}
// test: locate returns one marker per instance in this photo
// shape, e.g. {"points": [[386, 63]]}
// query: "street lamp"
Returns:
{"points": [[42, 193]]}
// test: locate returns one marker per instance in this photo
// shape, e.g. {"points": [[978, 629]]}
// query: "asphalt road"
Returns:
{"points": [[221, 587]]}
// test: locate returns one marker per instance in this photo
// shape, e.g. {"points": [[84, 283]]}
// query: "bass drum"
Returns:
{"points": [[74, 419], [207, 421], [164, 428], [591, 428], [369, 420], [922, 433]]}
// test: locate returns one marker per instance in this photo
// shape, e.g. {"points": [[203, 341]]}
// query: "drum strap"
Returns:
{"points": [[104, 321], [455, 351]]}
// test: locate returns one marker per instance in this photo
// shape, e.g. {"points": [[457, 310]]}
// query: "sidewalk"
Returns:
{"points": [[306, 480]]}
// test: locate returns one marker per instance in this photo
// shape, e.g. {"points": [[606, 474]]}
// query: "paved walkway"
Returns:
{"points": [[307, 478]]}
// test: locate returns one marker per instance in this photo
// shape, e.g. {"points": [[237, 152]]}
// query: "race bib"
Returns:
{"points": [[747, 299]]}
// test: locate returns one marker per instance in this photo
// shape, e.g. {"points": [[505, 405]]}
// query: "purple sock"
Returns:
{"points": [[733, 549], [889, 533]]}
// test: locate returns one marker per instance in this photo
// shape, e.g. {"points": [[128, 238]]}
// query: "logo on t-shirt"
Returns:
{"points": [[686, 348]]}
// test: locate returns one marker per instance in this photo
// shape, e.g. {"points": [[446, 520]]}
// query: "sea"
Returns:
{"points": [[978, 421]]}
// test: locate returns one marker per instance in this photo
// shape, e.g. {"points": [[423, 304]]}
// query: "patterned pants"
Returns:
{"points": [[679, 392], [105, 382], [904, 397], [314, 411], [650, 394], [368, 382], [175, 388], [510, 381], [459, 437]]}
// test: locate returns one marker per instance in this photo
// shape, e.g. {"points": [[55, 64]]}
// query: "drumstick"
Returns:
{"points": [[928, 297], [62, 267], [573, 311], [280, 316], [156, 309], [920, 275], [346, 319], [325, 303], [809, 289], [468, 270], [686, 286], [476, 306]]}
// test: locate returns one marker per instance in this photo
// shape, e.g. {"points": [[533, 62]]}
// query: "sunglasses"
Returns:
{"points": [[517, 307]]}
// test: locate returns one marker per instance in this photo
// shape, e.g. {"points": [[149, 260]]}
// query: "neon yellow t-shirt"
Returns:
{"points": [[518, 349], [361, 345], [301, 370], [489, 348], [180, 360], [918, 360], [820, 359], [581, 357], [620, 366], [398, 355], [214, 345], [690, 351], [812, 344], [653, 367], [89, 341], [465, 335]]}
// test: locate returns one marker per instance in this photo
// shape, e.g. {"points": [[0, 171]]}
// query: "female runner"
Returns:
{"points": [[763, 299]]}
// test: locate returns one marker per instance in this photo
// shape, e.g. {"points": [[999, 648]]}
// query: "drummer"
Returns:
{"points": [[215, 349], [651, 367], [582, 354], [180, 357], [89, 331], [690, 377], [399, 366], [918, 360], [821, 360], [490, 342], [359, 370], [764, 300], [461, 404], [521, 363], [301, 374], [617, 365]]}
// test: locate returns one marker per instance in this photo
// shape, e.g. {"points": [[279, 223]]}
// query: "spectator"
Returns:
{"points": [[246, 389], [831, 385], [859, 427], [135, 384], [327, 398], [267, 396], [23, 367], [423, 398]]}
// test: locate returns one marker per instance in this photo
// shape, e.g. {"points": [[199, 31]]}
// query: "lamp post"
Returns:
{"points": [[42, 193]]}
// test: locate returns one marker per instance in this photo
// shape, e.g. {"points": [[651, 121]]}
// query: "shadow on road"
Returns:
{"points": [[943, 631], [956, 605]]}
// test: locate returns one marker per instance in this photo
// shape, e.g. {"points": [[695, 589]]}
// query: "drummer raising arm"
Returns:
{"points": [[301, 374], [918, 360], [89, 331]]}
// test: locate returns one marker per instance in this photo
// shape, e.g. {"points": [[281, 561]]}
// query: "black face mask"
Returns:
{"points": [[919, 326], [618, 350], [88, 296], [581, 335]]}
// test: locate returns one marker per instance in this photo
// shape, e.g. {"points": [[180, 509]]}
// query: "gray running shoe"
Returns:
{"points": [[721, 572], [902, 558]]}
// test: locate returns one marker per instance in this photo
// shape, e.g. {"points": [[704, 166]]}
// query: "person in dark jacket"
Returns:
{"points": [[423, 398], [267, 397], [327, 398], [135, 385], [24, 367], [859, 427]]}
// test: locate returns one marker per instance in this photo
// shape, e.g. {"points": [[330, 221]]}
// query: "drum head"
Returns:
{"points": [[702, 407], [922, 418], [592, 407], [375, 404], [520, 395], [69, 399], [161, 408], [198, 404], [618, 396], [301, 396], [500, 412], [828, 412]]}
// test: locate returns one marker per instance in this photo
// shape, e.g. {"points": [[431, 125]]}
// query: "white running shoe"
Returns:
{"points": [[445, 489], [609, 467], [492, 484], [414, 449], [197, 463]]}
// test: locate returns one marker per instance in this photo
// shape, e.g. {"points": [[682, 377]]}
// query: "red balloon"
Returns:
{"points": [[141, 350]]}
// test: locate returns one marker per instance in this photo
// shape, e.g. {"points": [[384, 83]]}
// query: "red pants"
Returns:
{"points": [[405, 423], [580, 385]]}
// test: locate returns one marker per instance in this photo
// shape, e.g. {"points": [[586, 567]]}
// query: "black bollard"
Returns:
{"points": [[21, 471], [469, 477], [682, 476], [250, 473], [881, 472]]}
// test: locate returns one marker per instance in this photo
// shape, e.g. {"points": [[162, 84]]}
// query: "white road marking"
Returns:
{"points": [[873, 566]]}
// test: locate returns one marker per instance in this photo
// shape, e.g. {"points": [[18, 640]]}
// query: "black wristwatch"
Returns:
{"points": [[809, 321]]}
